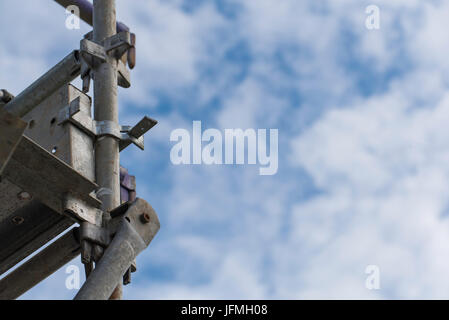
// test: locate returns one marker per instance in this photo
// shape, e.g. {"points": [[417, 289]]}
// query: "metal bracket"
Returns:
{"points": [[107, 128], [117, 45], [72, 114], [135, 231], [95, 234], [81, 211], [94, 54], [135, 134], [125, 134]]}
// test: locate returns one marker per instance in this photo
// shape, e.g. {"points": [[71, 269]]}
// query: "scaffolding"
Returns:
{"points": [[60, 166]]}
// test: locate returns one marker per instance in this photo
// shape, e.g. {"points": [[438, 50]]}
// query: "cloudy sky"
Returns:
{"points": [[362, 115]]}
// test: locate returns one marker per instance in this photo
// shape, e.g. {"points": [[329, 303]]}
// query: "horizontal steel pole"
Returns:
{"points": [[117, 259], [64, 72], [86, 12], [38, 268]]}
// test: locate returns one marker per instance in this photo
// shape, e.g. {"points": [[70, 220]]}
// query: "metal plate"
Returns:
{"points": [[136, 134], [47, 178], [67, 142], [11, 131]]}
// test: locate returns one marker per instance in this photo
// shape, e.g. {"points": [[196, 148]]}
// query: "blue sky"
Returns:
{"points": [[363, 145]]}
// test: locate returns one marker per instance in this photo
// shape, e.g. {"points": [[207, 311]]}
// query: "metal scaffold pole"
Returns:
{"points": [[106, 109]]}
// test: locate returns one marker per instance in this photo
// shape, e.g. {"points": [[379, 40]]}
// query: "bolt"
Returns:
{"points": [[24, 196], [145, 218]]}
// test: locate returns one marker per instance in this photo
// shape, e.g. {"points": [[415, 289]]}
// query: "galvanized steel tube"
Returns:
{"points": [[106, 109], [64, 72], [109, 271]]}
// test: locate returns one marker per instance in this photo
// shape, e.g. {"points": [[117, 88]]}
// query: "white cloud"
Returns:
{"points": [[381, 167], [33, 45], [171, 46]]}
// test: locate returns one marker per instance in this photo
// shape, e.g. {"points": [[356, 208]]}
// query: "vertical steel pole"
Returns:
{"points": [[106, 109]]}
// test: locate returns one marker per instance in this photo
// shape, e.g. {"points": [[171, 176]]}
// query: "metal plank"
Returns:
{"points": [[12, 198], [38, 268], [26, 230]]}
